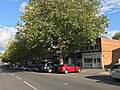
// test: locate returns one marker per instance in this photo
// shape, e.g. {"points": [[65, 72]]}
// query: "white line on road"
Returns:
{"points": [[18, 77], [12, 74], [66, 83], [30, 85]]}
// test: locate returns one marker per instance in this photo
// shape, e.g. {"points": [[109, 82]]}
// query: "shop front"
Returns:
{"points": [[92, 60]]}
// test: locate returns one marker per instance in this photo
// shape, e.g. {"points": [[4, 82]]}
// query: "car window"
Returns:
{"points": [[70, 65], [116, 67], [55, 65], [50, 64]]}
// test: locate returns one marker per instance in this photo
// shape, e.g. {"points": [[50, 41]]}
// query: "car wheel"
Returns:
{"points": [[66, 71], [49, 70], [79, 70]]}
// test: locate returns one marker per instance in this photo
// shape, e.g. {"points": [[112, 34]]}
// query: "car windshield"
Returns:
{"points": [[71, 65], [116, 67]]}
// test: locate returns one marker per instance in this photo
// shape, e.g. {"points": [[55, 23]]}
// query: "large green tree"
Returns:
{"points": [[62, 23], [116, 36]]}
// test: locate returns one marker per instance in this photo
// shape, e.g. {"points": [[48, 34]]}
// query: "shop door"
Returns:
{"points": [[97, 63]]}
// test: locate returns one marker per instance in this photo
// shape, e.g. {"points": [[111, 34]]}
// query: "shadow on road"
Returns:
{"points": [[104, 79], [6, 69]]}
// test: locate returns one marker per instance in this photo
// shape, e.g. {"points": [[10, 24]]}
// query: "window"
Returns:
{"points": [[70, 65], [86, 48], [96, 47], [116, 66], [91, 48], [79, 56], [87, 60], [98, 60]]}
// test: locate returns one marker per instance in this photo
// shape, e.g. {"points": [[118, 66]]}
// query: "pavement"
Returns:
{"points": [[96, 72]]}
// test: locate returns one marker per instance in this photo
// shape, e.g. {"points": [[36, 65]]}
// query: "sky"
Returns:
{"points": [[11, 10]]}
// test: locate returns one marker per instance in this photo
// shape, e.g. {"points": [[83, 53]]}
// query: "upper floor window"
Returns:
{"points": [[96, 47], [91, 48], [85, 48]]}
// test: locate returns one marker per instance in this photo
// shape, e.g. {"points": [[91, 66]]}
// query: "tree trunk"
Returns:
{"points": [[60, 57]]}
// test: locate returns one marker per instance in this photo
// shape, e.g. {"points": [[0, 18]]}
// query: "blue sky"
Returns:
{"points": [[111, 8], [11, 10]]}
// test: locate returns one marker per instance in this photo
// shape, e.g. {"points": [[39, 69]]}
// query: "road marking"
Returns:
{"points": [[30, 85], [12, 74], [66, 83], [18, 77]]}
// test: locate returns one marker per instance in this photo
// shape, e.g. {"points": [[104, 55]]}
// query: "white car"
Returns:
{"points": [[115, 71]]}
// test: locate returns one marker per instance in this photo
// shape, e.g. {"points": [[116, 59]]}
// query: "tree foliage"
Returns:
{"points": [[116, 36], [62, 23]]}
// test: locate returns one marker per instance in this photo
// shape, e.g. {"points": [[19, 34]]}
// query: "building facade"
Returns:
{"points": [[103, 54], [110, 50]]}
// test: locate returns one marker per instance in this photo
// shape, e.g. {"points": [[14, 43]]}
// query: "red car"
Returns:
{"points": [[66, 68]]}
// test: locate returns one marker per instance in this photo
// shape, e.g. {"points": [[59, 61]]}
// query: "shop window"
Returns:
{"points": [[87, 60], [79, 56], [94, 60], [98, 60]]}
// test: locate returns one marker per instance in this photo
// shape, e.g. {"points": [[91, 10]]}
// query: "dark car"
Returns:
{"points": [[66, 68], [48, 66]]}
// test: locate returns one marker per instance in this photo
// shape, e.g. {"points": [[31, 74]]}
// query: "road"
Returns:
{"points": [[22, 80]]}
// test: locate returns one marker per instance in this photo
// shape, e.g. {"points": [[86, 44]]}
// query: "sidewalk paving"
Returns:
{"points": [[96, 72]]}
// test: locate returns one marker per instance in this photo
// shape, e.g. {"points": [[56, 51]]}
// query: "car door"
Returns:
{"points": [[71, 67]]}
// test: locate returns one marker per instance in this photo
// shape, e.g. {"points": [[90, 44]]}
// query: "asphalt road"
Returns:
{"points": [[21, 80]]}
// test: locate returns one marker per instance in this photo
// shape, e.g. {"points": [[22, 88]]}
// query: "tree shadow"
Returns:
{"points": [[6, 69], [104, 79]]}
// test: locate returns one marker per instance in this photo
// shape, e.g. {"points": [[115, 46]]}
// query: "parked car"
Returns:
{"points": [[66, 68], [115, 71], [48, 66]]}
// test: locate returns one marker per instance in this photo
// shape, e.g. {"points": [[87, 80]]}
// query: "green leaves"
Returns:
{"points": [[116, 36], [63, 23]]}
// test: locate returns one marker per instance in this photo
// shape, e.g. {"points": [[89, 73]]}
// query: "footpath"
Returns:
{"points": [[95, 72]]}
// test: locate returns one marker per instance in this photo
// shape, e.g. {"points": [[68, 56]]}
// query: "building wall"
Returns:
{"points": [[105, 53], [110, 51], [89, 48]]}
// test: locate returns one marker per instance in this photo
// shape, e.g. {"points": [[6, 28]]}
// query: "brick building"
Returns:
{"points": [[110, 51], [105, 53]]}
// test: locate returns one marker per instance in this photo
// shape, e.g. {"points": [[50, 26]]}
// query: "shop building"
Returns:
{"points": [[103, 54]]}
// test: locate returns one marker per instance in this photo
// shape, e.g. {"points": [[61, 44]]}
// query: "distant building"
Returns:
{"points": [[105, 53]]}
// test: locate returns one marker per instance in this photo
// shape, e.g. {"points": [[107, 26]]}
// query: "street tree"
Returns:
{"points": [[64, 24], [116, 36], [8, 56]]}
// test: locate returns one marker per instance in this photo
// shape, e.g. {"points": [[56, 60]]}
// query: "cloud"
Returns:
{"points": [[22, 7], [5, 34], [111, 33], [110, 6]]}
